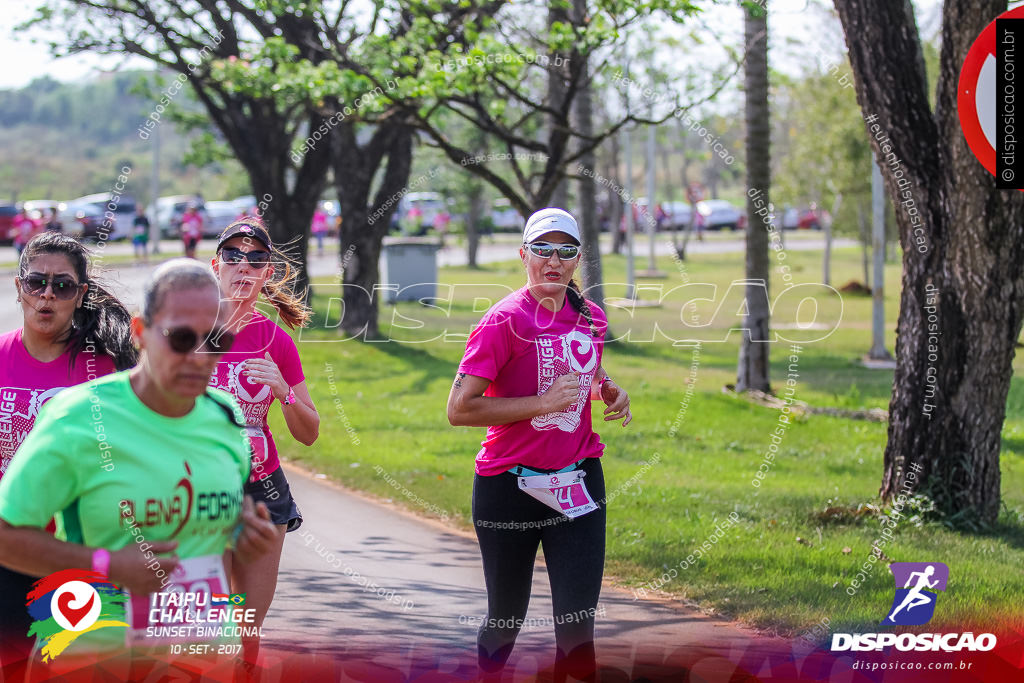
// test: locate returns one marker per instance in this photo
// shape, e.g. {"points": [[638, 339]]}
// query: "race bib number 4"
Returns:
{"points": [[189, 609], [565, 492]]}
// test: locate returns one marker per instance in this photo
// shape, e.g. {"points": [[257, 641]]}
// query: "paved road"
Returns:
{"points": [[432, 591]]}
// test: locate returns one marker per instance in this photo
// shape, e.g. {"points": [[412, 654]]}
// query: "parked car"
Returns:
{"points": [[417, 211], [718, 213], [504, 217], [244, 204], [7, 213], [219, 215], [39, 209], [790, 218], [123, 214], [82, 220], [678, 214]]}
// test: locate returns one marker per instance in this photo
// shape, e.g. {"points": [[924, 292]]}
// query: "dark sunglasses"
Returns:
{"points": [[566, 252], [185, 340], [257, 259], [64, 286]]}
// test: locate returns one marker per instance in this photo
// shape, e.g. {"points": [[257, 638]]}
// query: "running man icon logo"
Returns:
{"points": [[914, 603]]}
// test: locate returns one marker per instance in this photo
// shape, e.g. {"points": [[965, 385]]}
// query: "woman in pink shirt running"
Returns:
{"points": [[263, 366], [73, 331], [531, 367]]}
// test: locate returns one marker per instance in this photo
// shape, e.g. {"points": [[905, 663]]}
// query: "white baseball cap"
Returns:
{"points": [[551, 220]]}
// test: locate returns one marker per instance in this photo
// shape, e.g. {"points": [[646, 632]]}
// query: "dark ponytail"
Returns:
{"points": [[580, 304], [102, 324]]}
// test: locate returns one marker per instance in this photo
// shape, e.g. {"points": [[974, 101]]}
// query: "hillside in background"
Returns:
{"points": [[65, 140]]}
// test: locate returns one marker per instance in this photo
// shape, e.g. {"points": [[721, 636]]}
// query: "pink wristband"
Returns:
{"points": [[101, 561]]}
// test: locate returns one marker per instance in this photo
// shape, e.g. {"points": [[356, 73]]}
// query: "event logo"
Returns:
{"points": [[69, 603], [914, 603]]}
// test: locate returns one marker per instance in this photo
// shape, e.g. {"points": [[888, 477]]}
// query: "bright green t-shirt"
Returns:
{"points": [[97, 452]]}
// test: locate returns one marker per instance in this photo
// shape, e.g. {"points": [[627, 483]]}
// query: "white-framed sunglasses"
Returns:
{"points": [[566, 252]]}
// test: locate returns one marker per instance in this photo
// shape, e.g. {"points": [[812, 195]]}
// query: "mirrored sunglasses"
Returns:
{"points": [[566, 252]]}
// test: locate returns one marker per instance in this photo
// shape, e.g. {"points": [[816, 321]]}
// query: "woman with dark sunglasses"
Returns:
{"points": [[150, 452], [73, 331], [531, 366], [263, 366]]}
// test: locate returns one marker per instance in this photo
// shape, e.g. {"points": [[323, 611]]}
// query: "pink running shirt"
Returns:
{"points": [[521, 347], [261, 335], [26, 384]]}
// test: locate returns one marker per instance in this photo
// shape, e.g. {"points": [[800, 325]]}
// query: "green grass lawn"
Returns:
{"points": [[686, 462]]}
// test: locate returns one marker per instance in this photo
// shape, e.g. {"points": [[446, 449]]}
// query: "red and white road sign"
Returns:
{"points": [[976, 93]]}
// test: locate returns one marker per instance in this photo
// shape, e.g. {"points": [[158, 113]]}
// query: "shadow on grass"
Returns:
{"points": [[649, 350], [1009, 532], [1012, 444], [1006, 529], [430, 366]]}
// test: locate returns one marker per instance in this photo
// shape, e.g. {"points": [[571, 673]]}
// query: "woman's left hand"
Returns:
{"points": [[265, 371], [618, 403]]}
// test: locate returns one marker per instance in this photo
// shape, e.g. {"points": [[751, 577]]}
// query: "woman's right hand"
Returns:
{"points": [[129, 570], [562, 393]]}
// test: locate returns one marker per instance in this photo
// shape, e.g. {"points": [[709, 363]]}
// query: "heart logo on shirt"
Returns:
{"points": [[246, 389], [580, 351]]}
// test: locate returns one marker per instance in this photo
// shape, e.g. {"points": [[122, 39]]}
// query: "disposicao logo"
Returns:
{"points": [[70, 603], [912, 605]]}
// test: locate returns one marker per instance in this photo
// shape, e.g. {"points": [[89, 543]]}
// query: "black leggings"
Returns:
{"points": [[510, 524]]}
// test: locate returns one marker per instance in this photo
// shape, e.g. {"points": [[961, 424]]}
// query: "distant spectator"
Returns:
{"points": [[413, 219], [191, 230], [441, 221], [23, 229], [619, 240], [54, 224], [140, 233], [319, 229], [660, 217]]}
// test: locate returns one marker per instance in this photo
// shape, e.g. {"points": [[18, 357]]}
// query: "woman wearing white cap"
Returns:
{"points": [[529, 371]]}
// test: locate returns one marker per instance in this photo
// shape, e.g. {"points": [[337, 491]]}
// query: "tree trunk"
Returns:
{"points": [[558, 134], [615, 206], [263, 149], [590, 231], [963, 287], [826, 265], [865, 238], [752, 371], [473, 216], [364, 223]]}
